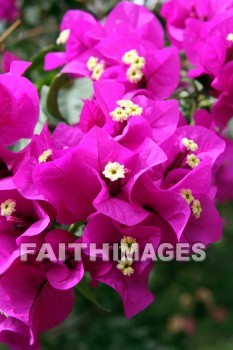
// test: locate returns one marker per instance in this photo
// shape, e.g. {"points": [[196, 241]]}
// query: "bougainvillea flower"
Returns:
{"points": [[222, 110], [223, 177], [192, 153], [19, 105], [16, 334], [177, 12], [205, 224], [204, 118], [27, 297], [39, 152], [65, 136], [208, 45], [166, 207], [101, 172], [190, 148], [138, 19], [63, 274], [129, 280], [133, 171], [133, 62], [186, 212], [115, 113], [81, 32], [110, 158], [159, 74], [223, 167], [104, 52], [73, 34], [21, 220], [42, 157], [35, 154], [58, 175]]}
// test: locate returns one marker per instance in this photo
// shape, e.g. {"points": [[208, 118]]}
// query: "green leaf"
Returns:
{"points": [[45, 116], [38, 59], [65, 97], [84, 288], [230, 128], [70, 99], [52, 98]]}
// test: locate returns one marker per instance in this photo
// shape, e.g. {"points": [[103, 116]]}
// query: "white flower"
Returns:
{"points": [[114, 171]]}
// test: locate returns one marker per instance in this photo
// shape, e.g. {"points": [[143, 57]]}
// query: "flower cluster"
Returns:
{"points": [[177, 14], [131, 171], [128, 48], [204, 31]]}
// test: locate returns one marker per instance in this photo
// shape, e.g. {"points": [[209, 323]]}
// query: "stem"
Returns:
{"points": [[32, 33], [74, 227], [10, 30]]}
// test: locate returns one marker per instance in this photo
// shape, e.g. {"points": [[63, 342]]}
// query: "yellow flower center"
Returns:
{"points": [[194, 204], [125, 266], [230, 37], [196, 209], [129, 245], [134, 74], [95, 66], [97, 71], [125, 110], [137, 63], [8, 207], [190, 144], [193, 161], [44, 156], [119, 115], [129, 56], [187, 195], [114, 171], [63, 37], [92, 63]]}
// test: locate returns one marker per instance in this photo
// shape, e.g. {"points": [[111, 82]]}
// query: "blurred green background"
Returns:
{"points": [[194, 301]]}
